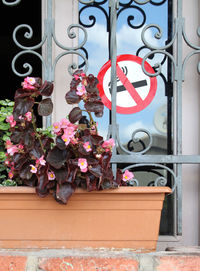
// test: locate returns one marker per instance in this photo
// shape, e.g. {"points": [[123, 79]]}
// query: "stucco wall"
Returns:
{"points": [[65, 15], [191, 116]]}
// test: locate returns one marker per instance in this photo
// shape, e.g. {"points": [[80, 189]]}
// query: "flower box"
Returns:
{"points": [[126, 217]]}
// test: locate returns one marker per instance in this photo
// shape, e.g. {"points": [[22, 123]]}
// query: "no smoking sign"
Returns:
{"points": [[135, 90]]}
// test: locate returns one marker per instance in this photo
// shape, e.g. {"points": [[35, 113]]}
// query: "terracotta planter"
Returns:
{"points": [[128, 217]]}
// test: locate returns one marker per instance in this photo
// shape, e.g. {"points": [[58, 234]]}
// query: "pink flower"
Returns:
{"points": [[127, 176], [7, 162], [87, 146], [108, 144], [8, 144], [12, 150], [74, 140], [64, 123], [20, 147], [33, 169], [10, 119], [56, 127], [83, 74], [82, 163], [76, 76], [41, 161], [69, 132], [81, 90], [28, 116], [10, 174], [66, 139], [29, 83], [51, 175]]}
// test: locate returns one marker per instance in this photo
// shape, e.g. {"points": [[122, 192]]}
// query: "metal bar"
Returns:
{"points": [[163, 159], [113, 56], [179, 114], [48, 75]]}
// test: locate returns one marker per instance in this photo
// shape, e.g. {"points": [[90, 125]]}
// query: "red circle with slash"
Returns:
{"points": [[135, 90]]}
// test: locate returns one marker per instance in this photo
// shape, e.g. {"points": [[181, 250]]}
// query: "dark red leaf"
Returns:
{"points": [[94, 106], [32, 182], [61, 174], [25, 172], [92, 161], [63, 192], [73, 162], [74, 83], [28, 139], [96, 139], [46, 142], [41, 188], [92, 83], [83, 151], [71, 97], [99, 114], [60, 143], [71, 174], [119, 177], [105, 159], [75, 115], [94, 98], [22, 106], [86, 138], [108, 175], [21, 93], [16, 136], [36, 151], [106, 185], [51, 185], [56, 157], [45, 107], [46, 89], [91, 182], [96, 170], [85, 121], [19, 159]]}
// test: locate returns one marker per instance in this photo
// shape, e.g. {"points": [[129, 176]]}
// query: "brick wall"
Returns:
{"points": [[101, 260]]}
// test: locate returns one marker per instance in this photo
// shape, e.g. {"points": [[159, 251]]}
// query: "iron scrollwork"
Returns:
{"points": [[161, 180], [49, 33], [14, 3]]}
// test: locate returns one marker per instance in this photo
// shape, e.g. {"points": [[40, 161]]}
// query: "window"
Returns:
{"points": [[176, 100]]}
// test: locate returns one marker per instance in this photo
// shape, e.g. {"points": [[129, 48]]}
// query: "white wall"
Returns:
{"points": [[191, 129], [65, 13], [191, 135]]}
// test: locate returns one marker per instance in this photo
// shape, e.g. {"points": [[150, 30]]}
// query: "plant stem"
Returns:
{"points": [[36, 133], [91, 118]]}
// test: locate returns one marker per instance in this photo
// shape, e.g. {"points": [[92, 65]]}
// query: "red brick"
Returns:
{"points": [[179, 263], [12, 263], [88, 264]]}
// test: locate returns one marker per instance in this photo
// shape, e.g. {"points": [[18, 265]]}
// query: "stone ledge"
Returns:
{"points": [[97, 260]]}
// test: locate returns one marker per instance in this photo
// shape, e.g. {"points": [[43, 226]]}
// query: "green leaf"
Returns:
{"points": [[3, 177], [2, 155], [4, 126], [6, 136], [9, 182]]}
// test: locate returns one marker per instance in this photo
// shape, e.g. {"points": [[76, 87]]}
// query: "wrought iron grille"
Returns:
{"points": [[133, 160]]}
